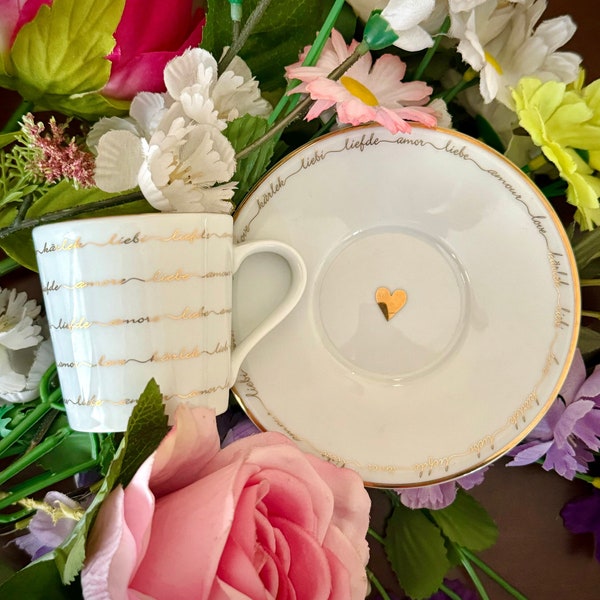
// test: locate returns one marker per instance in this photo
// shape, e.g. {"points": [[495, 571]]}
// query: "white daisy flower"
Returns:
{"points": [[500, 41]]}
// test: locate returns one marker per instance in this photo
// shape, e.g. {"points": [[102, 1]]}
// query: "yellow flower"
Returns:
{"points": [[564, 121]]}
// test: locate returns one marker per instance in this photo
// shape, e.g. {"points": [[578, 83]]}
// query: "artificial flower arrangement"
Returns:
{"points": [[182, 109]]}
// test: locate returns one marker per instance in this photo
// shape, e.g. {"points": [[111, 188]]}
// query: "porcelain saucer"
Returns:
{"points": [[441, 312]]}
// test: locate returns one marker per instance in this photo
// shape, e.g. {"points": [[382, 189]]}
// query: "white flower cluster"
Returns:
{"points": [[499, 39], [172, 144], [24, 353]]}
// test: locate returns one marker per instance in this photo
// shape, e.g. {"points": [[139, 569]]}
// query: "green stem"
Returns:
{"points": [[13, 123], [238, 44], [377, 585], [23, 208], [471, 572], [16, 516], [67, 213], [585, 282], [463, 84], [35, 454], [452, 595], [591, 313], [492, 574], [42, 429], [302, 106], [7, 265], [32, 417], [310, 59], [375, 536], [35, 484], [431, 51], [324, 129]]}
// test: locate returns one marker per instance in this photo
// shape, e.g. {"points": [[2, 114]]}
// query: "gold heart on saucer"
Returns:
{"points": [[390, 303]]}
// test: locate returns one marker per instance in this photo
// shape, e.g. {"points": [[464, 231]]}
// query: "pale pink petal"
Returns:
{"points": [[193, 552], [351, 500], [111, 552], [307, 558], [184, 452]]}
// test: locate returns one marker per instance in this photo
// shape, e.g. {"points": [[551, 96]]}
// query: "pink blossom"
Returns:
{"points": [[55, 155], [368, 91], [258, 519], [439, 495]]}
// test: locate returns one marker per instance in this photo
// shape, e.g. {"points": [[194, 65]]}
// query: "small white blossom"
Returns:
{"points": [[24, 354], [405, 18], [172, 145]]}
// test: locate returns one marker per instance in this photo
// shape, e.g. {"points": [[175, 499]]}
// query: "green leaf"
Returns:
{"points": [[75, 450], [242, 132], [588, 343], [62, 50], [466, 523], [7, 138], [63, 195], [70, 555], [107, 453], [416, 551], [146, 428], [5, 572], [586, 248], [39, 581], [277, 40]]}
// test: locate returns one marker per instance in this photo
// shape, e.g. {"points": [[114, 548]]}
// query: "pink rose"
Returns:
{"points": [[258, 519]]}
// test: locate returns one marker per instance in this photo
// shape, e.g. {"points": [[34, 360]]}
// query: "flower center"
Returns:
{"points": [[7, 323], [356, 88], [492, 61]]}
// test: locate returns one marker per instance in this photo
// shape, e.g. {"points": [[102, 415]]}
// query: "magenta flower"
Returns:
{"points": [[582, 515], [438, 495], [368, 91], [149, 34], [570, 430]]}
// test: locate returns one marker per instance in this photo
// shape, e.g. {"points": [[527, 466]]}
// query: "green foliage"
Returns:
{"points": [[146, 428], [422, 545], [62, 196], [416, 551], [589, 343], [58, 58], [39, 581], [242, 132], [282, 33], [466, 523], [74, 450]]}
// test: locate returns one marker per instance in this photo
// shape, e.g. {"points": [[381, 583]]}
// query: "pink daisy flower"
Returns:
{"points": [[366, 92]]}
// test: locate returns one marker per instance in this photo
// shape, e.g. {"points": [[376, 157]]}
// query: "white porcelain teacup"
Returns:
{"points": [[136, 297]]}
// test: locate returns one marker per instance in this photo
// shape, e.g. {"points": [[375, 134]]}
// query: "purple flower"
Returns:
{"points": [[439, 495], [582, 515], [50, 528], [234, 426], [459, 588], [570, 430]]}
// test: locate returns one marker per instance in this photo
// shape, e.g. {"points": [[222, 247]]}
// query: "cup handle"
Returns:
{"points": [[294, 293]]}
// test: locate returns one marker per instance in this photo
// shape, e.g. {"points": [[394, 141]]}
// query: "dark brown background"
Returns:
{"points": [[534, 551]]}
